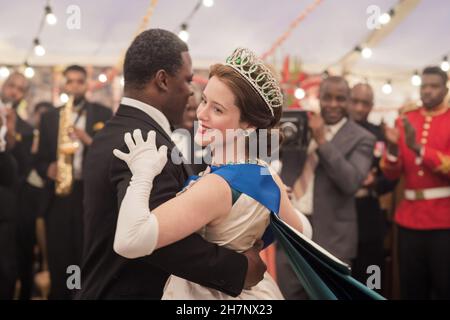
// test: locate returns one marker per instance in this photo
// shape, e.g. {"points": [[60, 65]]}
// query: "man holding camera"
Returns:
{"points": [[339, 158]]}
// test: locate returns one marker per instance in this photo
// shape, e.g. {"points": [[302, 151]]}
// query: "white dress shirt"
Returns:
{"points": [[152, 112], [78, 156]]}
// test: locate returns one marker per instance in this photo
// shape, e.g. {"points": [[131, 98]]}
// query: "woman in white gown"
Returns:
{"points": [[230, 204]]}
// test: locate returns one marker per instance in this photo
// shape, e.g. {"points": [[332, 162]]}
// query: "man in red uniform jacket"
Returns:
{"points": [[419, 148]]}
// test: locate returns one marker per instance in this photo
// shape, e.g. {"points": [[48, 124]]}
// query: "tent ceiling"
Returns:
{"points": [[327, 34]]}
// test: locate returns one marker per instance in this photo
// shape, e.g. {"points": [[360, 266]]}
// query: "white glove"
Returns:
{"points": [[144, 159], [137, 228]]}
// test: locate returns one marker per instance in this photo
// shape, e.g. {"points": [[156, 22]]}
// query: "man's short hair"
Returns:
{"points": [[77, 68], [15, 74], [335, 80], [151, 51], [436, 71]]}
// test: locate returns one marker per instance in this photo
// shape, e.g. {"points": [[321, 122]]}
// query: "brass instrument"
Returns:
{"points": [[65, 150]]}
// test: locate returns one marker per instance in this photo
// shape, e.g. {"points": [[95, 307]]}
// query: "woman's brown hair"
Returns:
{"points": [[252, 106]]}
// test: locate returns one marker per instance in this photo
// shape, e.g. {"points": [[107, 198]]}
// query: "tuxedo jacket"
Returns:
{"points": [[8, 170], [22, 148], [105, 274], [96, 116]]}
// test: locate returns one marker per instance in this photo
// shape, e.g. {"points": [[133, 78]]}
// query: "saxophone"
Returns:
{"points": [[65, 151]]}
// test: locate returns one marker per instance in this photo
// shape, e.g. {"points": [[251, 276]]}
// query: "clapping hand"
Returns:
{"points": [[410, 136], [392, 136], [317, 126]]}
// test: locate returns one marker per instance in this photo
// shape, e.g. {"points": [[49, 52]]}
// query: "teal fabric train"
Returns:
{"points": [[322, 275]]}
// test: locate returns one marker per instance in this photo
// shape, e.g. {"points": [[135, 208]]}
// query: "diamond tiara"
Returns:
{"points": [[253, 69]]}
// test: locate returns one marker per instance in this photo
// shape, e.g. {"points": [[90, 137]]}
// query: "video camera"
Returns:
{"points": [[293, 151]]}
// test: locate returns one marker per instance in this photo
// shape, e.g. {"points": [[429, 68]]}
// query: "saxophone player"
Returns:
{"points": [[65, 210]]}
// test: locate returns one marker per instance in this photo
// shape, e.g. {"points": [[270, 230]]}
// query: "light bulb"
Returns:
{"points": [[51, 19], [208, 3], [4, 72], [184, 35], [445, 66], [299, 93], [63, 97], [50, 16], [416, 80], [29, 72], [366, 53], [387, 88], [39, 50], [385, 18], [102, 78]]}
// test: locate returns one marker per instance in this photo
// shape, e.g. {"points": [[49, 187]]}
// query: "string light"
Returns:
{"points": [[29, 72], [387, 87], [4, 72], [50, 16], [366, 53], [39, 50], [63, 97], [299, 93], [102, 78], [445, 66], [386, 17], [208, 3], [36, 47], [184, 34], [416, 80]]}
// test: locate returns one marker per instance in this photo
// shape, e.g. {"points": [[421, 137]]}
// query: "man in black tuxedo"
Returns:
{"points": [[33, 196], [158, 73], [64, 213], [19, 137], [371, 219], [13, 92], [8, 200]]}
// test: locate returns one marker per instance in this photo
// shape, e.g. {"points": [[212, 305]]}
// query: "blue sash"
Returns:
{"points": [[249, 179]]}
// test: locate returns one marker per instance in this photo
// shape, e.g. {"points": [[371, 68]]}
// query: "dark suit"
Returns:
{"points": [[344, 163], [8, 266], [21, 152], [371, 219], [22, 148], [26, 206], [107, 275], [8, 170], [64, 214]]}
